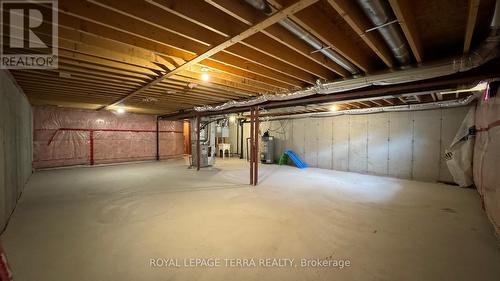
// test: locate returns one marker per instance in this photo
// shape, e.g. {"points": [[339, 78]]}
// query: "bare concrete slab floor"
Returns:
{"points": [[106, 223]]}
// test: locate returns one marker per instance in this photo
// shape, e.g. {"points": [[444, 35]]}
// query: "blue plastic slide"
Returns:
{"points": [[296, 159]]}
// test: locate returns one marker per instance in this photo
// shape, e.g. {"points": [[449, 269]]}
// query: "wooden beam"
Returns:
{"points": [[243, 16], [280, 34], [403, 11], [245, 34], [364, 103], [279, 51], [201, 13], [149, 14], [473, 7], [254, 56], [315, 21], [95, 53], [154, 43], [388, 101], [358, 22]]}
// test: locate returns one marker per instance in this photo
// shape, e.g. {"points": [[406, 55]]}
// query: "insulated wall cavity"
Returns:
{"points": [[15, 144], [487, 157], [407, 145], [65, 137]]}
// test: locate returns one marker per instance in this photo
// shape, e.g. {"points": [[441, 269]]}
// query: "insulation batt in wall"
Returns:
{"points": [[63, 137], [487, 157], [408, 145]]}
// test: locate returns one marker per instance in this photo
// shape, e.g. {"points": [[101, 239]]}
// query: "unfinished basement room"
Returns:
{"points": [[249, 140]]}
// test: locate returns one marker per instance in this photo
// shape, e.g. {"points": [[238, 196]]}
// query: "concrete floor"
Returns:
{"points": [[106, 223]]}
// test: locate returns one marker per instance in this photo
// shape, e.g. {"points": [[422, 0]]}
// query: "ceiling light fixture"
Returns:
{"points": [[333, 108], [205, 76], [120, 110], [204, 73]]}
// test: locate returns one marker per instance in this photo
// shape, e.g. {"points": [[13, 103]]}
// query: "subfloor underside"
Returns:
{"points": [[108, 223]]}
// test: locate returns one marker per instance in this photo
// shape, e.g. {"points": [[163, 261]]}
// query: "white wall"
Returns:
{"points": [[399, 144], [15, 145], [487, 157]]}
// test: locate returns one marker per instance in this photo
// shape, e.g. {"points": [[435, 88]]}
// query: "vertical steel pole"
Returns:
{"points": [[157, 138], [91, 139], [251, 145], [256, 154], [198, 144], [241, 140]]}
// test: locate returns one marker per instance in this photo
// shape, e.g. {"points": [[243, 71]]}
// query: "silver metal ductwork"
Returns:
{"points": [[489, 47], [381, 16], [395, 108], [316, 44], [298, 31], [487, 51]]}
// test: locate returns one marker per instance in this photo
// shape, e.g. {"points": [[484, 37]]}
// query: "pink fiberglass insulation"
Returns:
{"points": [[62, 137], [487, 157]]}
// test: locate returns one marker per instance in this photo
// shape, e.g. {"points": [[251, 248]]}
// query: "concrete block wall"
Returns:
{"points": [[15, 144], [406, 145]]}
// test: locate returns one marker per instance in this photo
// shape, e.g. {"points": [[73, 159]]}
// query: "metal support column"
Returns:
{"points": [[157, 138], [241, 138], [91, 140], [256, 149], [251, 145], [198, 145]]}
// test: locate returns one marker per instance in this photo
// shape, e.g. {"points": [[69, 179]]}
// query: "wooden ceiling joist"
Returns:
{"points": [[358, 22], [473, 7], [148, 55], [403, 11], [247, 33]]}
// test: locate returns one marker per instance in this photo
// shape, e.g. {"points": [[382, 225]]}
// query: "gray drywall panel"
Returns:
{"points": [[233, 133], [378, 144], [358, 134], [325, 143], [15, 144], [451, 121], [283, 139], [340, 143], [426, 144], [299, 137], [246, 135], [3, 105], [400, 144], [312, 129]]}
